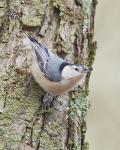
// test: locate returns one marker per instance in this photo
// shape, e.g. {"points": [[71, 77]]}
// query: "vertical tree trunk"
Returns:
{"points": [[66, 27]]}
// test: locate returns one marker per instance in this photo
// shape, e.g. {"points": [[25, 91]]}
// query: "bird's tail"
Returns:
{"points": [[42, 53], [39, 45], [32, 39]]}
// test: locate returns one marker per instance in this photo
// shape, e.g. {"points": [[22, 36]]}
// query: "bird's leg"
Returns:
{"points": [[47, 105], [27, 83], [48, 100]]}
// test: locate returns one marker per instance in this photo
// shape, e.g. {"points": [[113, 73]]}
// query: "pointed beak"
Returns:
{"points": [[87, 69]]}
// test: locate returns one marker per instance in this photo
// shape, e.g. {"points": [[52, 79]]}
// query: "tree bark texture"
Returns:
{"points": [[66, 27]]}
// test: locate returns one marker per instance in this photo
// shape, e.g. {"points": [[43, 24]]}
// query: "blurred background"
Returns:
{"points": [[104, 115]]}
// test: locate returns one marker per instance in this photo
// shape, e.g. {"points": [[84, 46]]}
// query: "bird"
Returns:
{"points": [[52, 73]]}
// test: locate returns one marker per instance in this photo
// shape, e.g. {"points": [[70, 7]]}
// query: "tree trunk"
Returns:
{"points": [[66, 27]]}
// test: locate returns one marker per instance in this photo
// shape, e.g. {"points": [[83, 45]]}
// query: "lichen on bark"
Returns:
{"points": [[66, 27]]}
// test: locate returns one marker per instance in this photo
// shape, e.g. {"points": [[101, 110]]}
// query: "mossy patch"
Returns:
{"points": [[31, 20], [86, 14], [79, 105]]}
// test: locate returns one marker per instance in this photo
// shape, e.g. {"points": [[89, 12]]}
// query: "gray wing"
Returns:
{"points": [[41, 53], [52, 68], [49, 63]]}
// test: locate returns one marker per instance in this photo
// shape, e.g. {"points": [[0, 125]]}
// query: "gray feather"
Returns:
{"points": [[49, 63], [53, 69]]}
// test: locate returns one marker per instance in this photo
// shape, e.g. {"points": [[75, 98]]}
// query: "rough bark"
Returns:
{"points": [[66, 27]]}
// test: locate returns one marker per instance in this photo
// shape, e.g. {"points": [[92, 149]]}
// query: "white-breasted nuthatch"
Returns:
{"points": [[52, 73]]}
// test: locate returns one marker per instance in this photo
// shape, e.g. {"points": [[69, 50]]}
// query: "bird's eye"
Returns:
{"points": [[76, 69]]}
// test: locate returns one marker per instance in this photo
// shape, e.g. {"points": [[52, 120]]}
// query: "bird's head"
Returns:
{"points": [[72, 70]]}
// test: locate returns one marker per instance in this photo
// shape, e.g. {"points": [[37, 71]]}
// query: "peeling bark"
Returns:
{"points": [[66, 27]]}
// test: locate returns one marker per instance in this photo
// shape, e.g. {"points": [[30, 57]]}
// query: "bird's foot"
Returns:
{"points": [[47, 106]]}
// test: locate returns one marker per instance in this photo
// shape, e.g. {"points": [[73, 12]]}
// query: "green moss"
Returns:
{"points": [[91, 50], [75, 146], [90, 59], [5, 35], [46, 144], [2, 11], [6, 121], [2, 4], [31, 15], [17, 110], [52, 136], [1, 144], [4, 25], [31, 20], [36, 3], [79, 105], [78, 108], [86, 14], [86, 146], [58, 3]]}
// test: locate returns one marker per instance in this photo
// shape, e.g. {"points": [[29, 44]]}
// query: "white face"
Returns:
{"points": [[72, 71]]}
